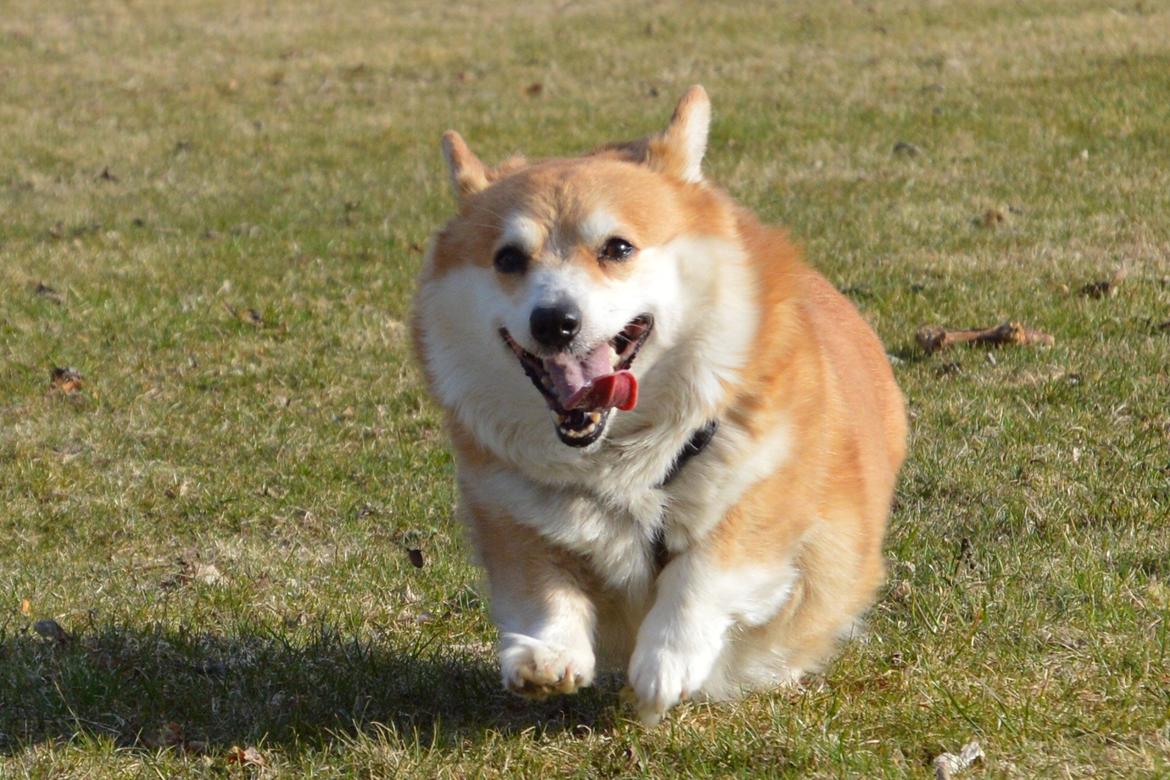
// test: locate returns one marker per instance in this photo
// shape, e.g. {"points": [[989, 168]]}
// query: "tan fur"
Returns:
{"points": [[814, 366], [565, 191], [817, 361]]}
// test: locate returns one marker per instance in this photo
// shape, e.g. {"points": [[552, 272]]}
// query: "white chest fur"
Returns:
{"points": [[613, 524], [614, 536]]}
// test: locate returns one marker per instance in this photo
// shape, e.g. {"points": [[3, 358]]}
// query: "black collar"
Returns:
{"points": [[695, 445]]}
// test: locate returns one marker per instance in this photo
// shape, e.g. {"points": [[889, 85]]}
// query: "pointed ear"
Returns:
{"points": [[678, 150], [468, 176]]}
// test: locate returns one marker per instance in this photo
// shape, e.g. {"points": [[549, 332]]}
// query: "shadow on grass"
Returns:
{"points": [[205, 692]]}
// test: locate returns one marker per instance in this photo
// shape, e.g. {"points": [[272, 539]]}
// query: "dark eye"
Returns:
{"points": [[616, 249], [510, 260]]}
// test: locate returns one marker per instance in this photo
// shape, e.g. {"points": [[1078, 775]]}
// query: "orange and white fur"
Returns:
{"points": [[625, 268]]}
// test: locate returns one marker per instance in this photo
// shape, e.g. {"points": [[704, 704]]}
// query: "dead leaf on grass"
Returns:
{"points": [[271, 491], [534, 89], [248, 756], [1105, 288], [992, 218], [193, 571], [25, 608], [950, 368], [51, 629], [416, 557], [208, 574], [65, 380], [948, 765], [178, 489], [43, 290], [251, 316]]}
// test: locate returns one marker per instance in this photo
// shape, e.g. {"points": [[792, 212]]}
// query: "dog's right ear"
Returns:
{"points": [[678, 150], [468, 176]]}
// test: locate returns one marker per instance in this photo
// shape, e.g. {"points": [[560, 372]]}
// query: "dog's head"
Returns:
{"points": [[559, 283]]}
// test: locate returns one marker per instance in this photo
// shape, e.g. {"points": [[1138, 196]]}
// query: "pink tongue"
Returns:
{"points": [[591, 383], [619, 389]]}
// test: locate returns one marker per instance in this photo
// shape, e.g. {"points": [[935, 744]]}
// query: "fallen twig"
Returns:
{"points": [[933, 338]]}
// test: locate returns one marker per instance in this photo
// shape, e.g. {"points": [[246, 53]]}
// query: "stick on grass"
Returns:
{"points": [[933, 338]]}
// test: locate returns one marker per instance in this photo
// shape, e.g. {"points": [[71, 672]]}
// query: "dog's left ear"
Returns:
{"points": [[678, 150], [468, 175]]}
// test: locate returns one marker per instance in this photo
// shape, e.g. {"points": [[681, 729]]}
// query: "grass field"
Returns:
{"points": [[215, 215]]}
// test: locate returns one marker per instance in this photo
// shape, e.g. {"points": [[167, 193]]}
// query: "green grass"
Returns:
{"points": [[234, 292]]}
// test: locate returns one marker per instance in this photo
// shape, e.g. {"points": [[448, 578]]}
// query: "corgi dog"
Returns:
{"points": [[675, 442]]}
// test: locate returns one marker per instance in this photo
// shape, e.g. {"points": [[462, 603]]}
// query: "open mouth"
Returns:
{"points": [[581, 390]]}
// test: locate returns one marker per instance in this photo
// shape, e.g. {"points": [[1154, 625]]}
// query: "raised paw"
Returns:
{"points": [[537, 669]]}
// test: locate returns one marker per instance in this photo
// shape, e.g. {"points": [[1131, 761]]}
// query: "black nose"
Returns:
{"points": [[555, 326]]}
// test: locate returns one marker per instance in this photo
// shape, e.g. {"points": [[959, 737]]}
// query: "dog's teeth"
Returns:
{"points": [[578, 424]]}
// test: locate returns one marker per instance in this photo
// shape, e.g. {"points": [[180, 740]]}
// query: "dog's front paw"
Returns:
{"points": [[537, 669], [662, 676]]}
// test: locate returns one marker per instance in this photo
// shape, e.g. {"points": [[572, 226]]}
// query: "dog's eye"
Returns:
{"points": [[616, 249], [510, 260]]}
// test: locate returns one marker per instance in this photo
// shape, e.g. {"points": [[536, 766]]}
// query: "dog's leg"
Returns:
{"points": [[698, 601], [538, 601]]}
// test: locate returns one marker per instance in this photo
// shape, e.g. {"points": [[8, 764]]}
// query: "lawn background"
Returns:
{"points": [[215, 211]]}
